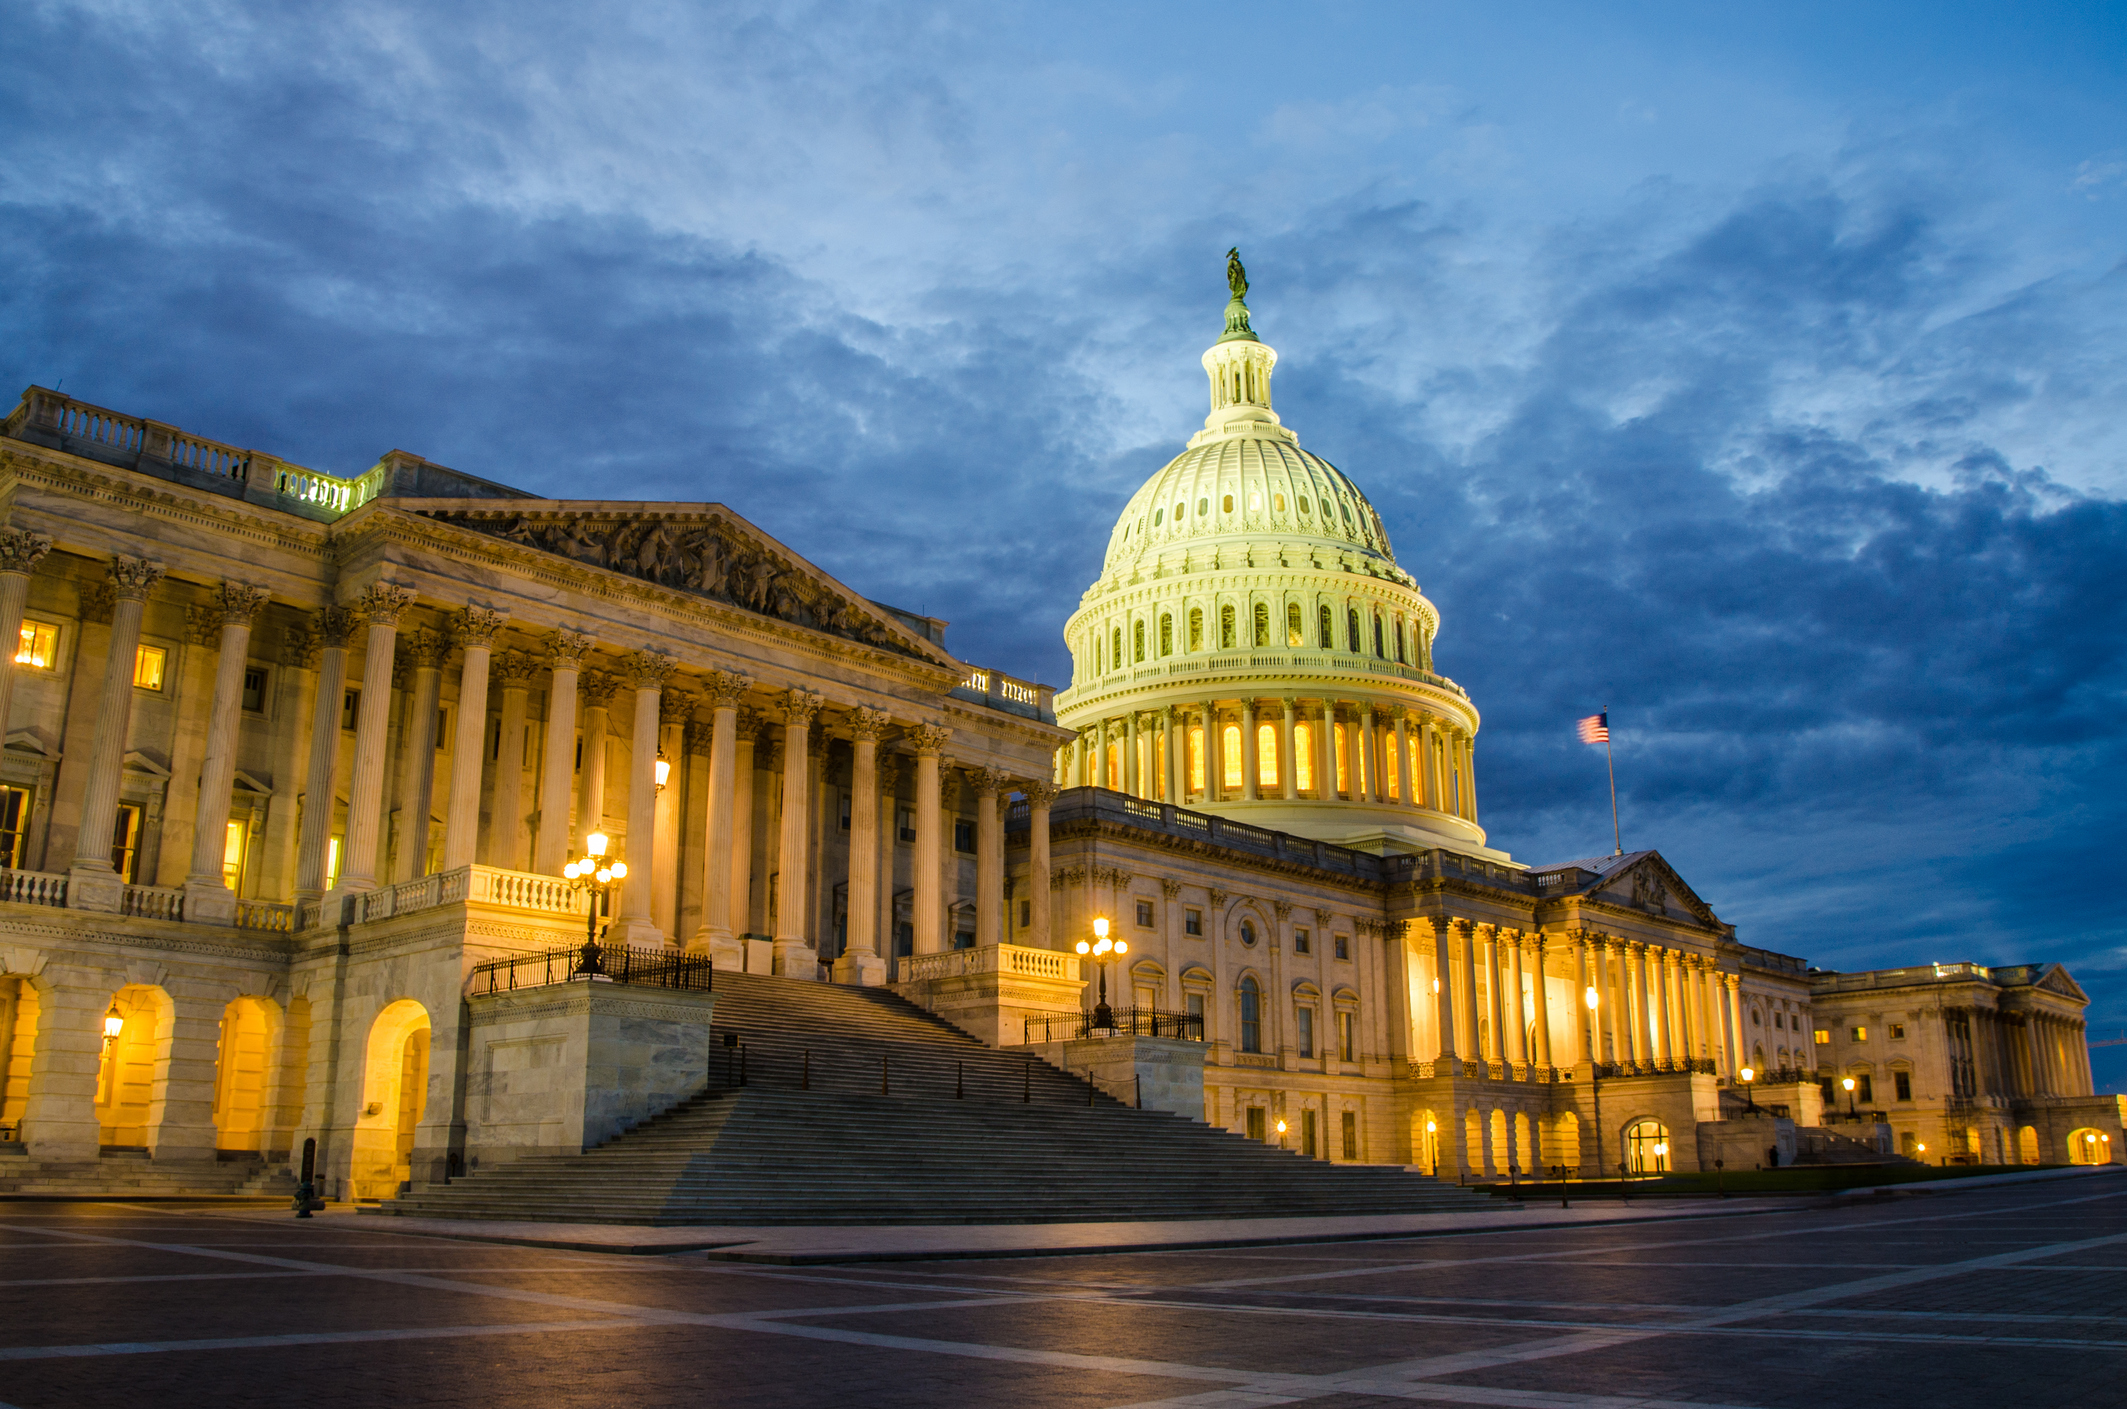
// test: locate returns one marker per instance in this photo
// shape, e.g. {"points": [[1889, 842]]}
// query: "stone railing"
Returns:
{"points": [[268, 915], [421, 893], [524, 890], [1313, 662], [153, 902], [1000, 691], [1102, 805], [1488, 1071], [32, 887], [1015, 959], [478, 885]]}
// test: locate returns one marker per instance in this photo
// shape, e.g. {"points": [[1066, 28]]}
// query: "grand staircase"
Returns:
{"points": [[134, 1176], [859, 1107]]}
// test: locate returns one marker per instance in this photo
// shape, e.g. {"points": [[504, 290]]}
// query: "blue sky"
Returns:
{"points": [[1758, 376]]}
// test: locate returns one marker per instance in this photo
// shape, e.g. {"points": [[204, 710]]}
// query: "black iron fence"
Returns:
{"points": [[617, 963], [1130, 1022]]}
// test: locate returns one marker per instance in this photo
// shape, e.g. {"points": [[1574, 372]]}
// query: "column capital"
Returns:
{"points": [[929, 739], [598, 688], [478, 626], [515, 669], [332, 626], [565, 649], [868, 725], [676, 706], [21, 550], [130, 578], [381, 603], [799, 706], [238, 602], [989, 781], [299, 648], [1041, 794], [726, 688], [428, 648], [647, 669], [948, 782], [1170, 888], [889, 774]]}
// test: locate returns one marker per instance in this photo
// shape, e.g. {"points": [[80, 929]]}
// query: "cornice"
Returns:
{"points": [[1094, 829]]}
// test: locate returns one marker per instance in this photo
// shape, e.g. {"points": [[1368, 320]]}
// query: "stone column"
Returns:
{"points": [[673, 709], [991, 787], [380, 606], [1133, 774], [948, 849], [1540, 990], [207, 899], [181, 1096], [598, 691], [929, 741], [1469, 776], [1214, 753], [565, 650], [1472, 1039], [331, 628], [1636, 1000], [890, 773], [92, 882], [59, 1118], [506, 839], [1040, 798], [795, 955], [417, 769], [296, 691], [1518, 1049], [1737, 1058], [646, 671], [477, 628], [1497, 991], [859, 961], [744, 765], [20, 552], [1444, 990], [717, 934], [1174, 730], [1406, 769], [1325, 746], [1288, 761], [1251, 765]]}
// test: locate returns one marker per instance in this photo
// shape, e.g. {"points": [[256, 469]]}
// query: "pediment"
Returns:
{"points": [[700, 549], [250, 782], [2057, 981], [138, 762], [26, 741], [1650, 883]]}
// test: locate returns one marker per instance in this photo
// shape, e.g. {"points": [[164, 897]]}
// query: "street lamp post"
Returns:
{"points": [[1749, 1075], [1594, 1001], [1100, 949], [1849, 1085], [594, 875]]}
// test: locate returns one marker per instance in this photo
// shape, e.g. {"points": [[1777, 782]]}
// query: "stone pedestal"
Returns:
{"points": [[1746, 1144], [207, 903], [794, 958], [992, 989], [94, 888], [866, 969], [568, 1067], [1166, 1072]]}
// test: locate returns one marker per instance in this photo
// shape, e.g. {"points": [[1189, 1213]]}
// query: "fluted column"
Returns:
{"points": [[331, 628], [207, 899], [1737, 1051], [1175, 730], [380, 607], [1251, 765], [598, 691], [20, 552], [1444, 990], [565, 650], [1406, 771], [795, 955], [645, 672], [1214, 753], [1497, 993], [1040, 798], [507, 844], [717, 935], [859, 961], [1133, 777], [674, 708], [1326, 753], [1540, 991], [417, 742], [1288, 761], [745, 764], [890, 774], [477, 628], [929, 741], [93, 883], [1518, 1049], [1473, 1039], [1586, 1025], [990, 786]]}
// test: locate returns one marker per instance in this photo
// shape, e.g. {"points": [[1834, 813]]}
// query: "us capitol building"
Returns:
{"points": [[295, 762]]}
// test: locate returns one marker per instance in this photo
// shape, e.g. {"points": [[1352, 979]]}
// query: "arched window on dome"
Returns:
{"points": [[1230, 755], [1262, 615], [1157, 516], [1203, 506], [1329, 632], [1351, 632], [1196, 628], [1137, 643], [1115, 652], [1226, 504], [1266, 756], [1399, 642], [1380, 646], [1305, 507], [1096, 654], [1166, 634], [1277, 503], [1303, 756], [1226, 628], [1180, 509], [1294, 635]]}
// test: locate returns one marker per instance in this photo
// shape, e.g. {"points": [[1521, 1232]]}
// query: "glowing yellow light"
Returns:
{"points": [[1592, 997], [1100, 927], [1430, 1127], [1084, 948], [619, 871], [1122, 946], [570, 870], [595, 843], [1281, 1127], [114, 1022], [1750, 1074], [664, 769], [1848, 1083], [605, 877]]}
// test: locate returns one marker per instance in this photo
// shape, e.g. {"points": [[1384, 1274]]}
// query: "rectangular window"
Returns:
{"points": [[964, 836], [1336, 738], [1902, 1085], [332, 862], [1824, 1037], [1144, 914], [1307, 1133], [1779, 1020], [351, 709], [1299, 942], [125, 843], [1194, 1006], [1305, 1030], [1346, 1052], [233, 855], [904, 939], [1266, 756], [1351, 1135], [1026, 913], [907, 826], [1196, 760], [1192, 922], [1897, 1032], [1258, 1124], [1861, 1034], [1303, 757], [1230, 756], [1864, 1089], [964, 939], [40, 645], [14, 825], [255, 689], [1344, 946], [148, 663]]}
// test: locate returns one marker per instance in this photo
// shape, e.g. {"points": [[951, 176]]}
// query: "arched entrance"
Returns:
{"points": [[243, 1073], [1425, 1142], [137, 1025], [19, 1008], [2027, 1145], [2089, 1146], [1647, 1147], [394, 1093], [1564, 1147]]}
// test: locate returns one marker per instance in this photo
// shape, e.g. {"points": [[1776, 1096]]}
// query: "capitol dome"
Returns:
{"points": [[1249, 595]]}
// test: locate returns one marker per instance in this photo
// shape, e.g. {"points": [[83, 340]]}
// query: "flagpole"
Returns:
{"points": [[1610, 760]]}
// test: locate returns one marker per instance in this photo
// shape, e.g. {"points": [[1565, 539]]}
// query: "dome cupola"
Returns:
{"points": [[1249, 598]]}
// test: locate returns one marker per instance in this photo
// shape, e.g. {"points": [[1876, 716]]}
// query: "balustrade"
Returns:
{"points": [[153, 902], [268, 915], [33, 887]]}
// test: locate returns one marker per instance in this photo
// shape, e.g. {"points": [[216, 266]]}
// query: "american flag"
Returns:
{"points": [[1595, 729]]}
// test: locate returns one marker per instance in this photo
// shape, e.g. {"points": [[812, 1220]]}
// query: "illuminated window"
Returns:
{"points": [[332, 863], [1277, 502], [1861, 1034], [125, 843], [1262, 616], [1159, 766], [1115, 767], [40, 645], [1824, 1037], [14, 825], [1294, 636], [1226, 628], [1196, 760], [1266, 756], [148, 662], [1226, 505], [233, 855], [1303, 756], [1647, 1146], [1196, 628], [1231, 739], [1343, 772]]}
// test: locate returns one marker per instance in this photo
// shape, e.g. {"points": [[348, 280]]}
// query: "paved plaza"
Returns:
{"points": [[2012, 1294]]}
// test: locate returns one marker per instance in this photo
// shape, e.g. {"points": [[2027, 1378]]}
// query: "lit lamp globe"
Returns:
{"points": [[1749, 1074], [1099, 950]]}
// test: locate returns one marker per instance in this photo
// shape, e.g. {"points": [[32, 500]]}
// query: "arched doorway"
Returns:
{"points": [[2089, 1146], [243, 1072], [2027, 1145], [394, 1093], [1425, 1142], [1647, 1147], [19, 1007], [1564, 1147], [136, 1034]]}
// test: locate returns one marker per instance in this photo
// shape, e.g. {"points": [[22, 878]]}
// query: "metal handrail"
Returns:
{"points": [[619, 963], [1132, 1022]]}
